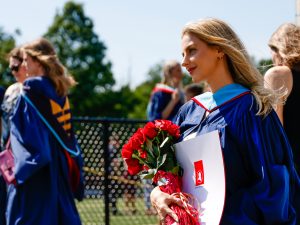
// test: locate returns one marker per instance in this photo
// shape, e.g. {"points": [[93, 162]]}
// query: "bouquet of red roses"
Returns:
{"points": [[150, 153]]}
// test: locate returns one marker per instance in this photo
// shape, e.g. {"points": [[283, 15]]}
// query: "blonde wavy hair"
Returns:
{"points": [[167, 71], [216, 33], [42, 51], [286, 41]]}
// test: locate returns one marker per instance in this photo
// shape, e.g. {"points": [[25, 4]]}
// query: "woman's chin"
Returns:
{"points": [[196, 80]]}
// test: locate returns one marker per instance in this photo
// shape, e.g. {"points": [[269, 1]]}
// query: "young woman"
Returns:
{"points": [[10, 97], [285, 49], [167, 97], [18, 70], [262, 186], [47, 176]]}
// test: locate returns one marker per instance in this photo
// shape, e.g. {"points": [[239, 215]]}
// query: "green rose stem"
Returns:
{"points": [[134, 156]]}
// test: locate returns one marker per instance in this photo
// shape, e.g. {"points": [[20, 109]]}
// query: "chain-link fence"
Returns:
{"points": [[112, 196]]}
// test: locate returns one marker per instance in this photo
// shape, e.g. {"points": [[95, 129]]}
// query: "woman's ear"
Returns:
{"points": [[220, 53]]}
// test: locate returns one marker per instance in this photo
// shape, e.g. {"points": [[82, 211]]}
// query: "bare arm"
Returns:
{"points": [[276, 78]]}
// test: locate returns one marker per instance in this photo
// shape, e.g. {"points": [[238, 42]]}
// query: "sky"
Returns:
{"points": [[139, 34]]}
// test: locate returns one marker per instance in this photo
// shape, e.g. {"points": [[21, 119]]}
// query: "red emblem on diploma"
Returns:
{"points": [[199, 173]]}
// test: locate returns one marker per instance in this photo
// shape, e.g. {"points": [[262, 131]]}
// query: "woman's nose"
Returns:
{"points": [[184, 62]]}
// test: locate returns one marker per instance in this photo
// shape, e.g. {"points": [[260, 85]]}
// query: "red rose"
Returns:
{"points": [[168, 126], [174, 131], [163, 124], [133, 166], [138, 139], [142, 154], [150, 130], [160, 124], [127, 150]]}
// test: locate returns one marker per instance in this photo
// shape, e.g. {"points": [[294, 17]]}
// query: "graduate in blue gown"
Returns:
{"points": [[10, 97], [167, 97], [2, 200], [2, 182], [48, 177], [262, 186]]}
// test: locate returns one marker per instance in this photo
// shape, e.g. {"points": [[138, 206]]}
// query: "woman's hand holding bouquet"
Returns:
{"points": [[150, 153]]}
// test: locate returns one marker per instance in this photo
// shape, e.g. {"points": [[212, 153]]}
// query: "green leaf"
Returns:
{"points": [[161, 160], [151, 161], [149, 148], [156, 150], [149, 175], [177, 170]]}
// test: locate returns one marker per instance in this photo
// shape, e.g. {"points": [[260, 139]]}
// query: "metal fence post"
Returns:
{"points": [[106, 169]]}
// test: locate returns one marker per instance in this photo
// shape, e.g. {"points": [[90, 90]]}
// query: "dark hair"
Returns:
{"points": [[195, 89]]}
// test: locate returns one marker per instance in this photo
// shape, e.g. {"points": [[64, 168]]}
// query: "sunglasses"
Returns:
{"points": [[15, 68]]}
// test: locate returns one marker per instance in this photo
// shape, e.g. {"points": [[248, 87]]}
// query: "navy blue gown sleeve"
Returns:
{"points": [[158, 102], [155, 106], [271, 195], [31, 154]]}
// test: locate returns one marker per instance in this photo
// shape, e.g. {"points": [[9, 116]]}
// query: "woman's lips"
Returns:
{"points": [[191, 70]]}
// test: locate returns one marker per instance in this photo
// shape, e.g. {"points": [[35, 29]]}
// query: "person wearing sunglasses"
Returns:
{"points": [[15, 58], [15, 65], [18, 70]]}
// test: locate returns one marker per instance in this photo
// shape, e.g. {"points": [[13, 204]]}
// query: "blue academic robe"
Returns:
{"points": [[2, 182], [2, 200], [160, 97], [43, 193], [262, 186]]}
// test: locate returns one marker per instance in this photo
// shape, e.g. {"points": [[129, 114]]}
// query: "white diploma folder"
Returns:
{"points": [[203, 174]]}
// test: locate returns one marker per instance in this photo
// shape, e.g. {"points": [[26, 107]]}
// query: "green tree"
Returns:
{"points": [[143, 91], [81, 51], [118, 103], [7, 43], [263, 65]]}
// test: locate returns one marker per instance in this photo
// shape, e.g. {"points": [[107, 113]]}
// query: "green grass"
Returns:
{"points": [[92, 213]]}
